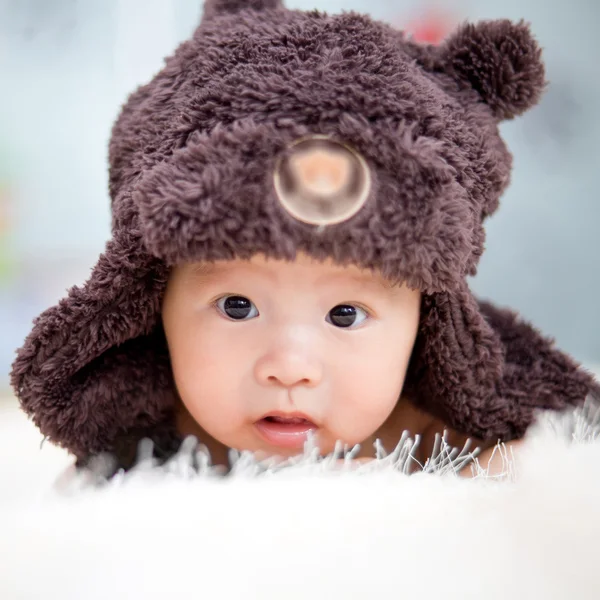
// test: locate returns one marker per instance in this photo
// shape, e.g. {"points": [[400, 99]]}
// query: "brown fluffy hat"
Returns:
{"points": [[276, 131]]}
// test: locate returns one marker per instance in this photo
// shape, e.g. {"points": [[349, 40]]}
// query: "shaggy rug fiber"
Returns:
{"points": [[319, 528]]}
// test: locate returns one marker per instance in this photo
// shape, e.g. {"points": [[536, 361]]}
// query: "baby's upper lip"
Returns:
{"points": [[292, 416]]}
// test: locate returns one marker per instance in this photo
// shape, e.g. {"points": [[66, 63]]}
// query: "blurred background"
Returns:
{"points": [[67, 65]]}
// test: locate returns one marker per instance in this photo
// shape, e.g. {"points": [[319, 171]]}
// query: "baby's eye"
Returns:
{"points": [[240, 308], [237, 307], [345, 315]]}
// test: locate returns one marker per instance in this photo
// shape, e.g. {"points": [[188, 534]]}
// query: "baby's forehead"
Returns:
{"points": [[302, 269]]}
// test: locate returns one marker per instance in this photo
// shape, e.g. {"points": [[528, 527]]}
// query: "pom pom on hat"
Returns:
{"points": [[501, 60]]}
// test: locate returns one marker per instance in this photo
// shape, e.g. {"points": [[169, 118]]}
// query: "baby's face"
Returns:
{"points": [[265, 351]]}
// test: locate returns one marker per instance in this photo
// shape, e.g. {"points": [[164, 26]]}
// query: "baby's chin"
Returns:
{"points": [[274, 438], [272, 442], [276, 435]]}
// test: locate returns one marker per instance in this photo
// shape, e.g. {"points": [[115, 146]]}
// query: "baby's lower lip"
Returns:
{"points": [[284, 435]]}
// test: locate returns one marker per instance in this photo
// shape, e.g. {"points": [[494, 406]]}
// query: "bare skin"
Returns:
{"points": [[405, 417], [287, 350]]}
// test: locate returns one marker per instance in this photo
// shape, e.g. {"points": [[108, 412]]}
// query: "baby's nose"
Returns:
{"points": [[321, 181], [289, 368]]}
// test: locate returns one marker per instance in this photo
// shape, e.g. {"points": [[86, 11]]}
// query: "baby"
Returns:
{"points": [[265, 352], [297, 202]]}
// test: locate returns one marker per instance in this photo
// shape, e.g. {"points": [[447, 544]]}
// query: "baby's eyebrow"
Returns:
{"points": [[204, 271], [368, 279]]}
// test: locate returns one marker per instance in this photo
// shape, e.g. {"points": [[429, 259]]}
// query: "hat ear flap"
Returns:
{"points": [[91, 366], [500, 60], [456, 365], [214, 8]]}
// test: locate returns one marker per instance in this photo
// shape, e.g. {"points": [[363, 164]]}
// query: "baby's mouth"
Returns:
{"points": [[285, 431]]}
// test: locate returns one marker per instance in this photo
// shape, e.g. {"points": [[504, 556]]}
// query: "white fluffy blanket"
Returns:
{"points": [[320, 531]]}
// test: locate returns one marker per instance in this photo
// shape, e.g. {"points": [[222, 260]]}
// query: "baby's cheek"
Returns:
{"points": [[359, 411]]}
